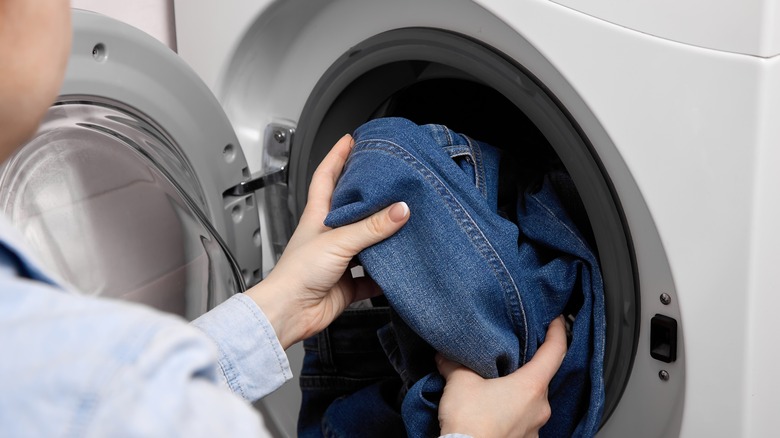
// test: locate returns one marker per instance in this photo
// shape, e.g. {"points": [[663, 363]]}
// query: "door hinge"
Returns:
{"points": [[275, 159], [270, 192], [259, 182]]}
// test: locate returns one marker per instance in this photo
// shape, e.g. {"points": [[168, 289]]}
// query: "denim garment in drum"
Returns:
{"points": [[462, 279]]}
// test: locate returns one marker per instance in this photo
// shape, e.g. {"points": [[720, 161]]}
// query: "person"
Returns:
{"points": [[85, 366]]}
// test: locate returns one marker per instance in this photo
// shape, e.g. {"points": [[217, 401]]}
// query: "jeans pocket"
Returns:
{"points": [[343, 359]]}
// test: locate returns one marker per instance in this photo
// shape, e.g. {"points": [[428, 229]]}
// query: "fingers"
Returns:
{"points": [[324, 179], [446, 367], [356, 237], [543, 365], [549, 357]]}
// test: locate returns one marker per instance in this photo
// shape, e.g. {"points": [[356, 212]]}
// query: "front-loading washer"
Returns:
{"points": [[661, 111], [667, 141]]}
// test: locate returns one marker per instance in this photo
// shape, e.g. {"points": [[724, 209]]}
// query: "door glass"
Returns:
{"points": [[109, 203]]}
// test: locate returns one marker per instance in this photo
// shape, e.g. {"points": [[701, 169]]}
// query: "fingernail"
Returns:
{"points": [[398, 211], [349, 138]]}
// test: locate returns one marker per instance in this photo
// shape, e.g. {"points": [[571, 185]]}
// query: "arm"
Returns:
{"points": [[85, 366], [308, 288]]}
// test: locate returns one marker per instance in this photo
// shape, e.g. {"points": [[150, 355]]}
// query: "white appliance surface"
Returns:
{"points": [[154, 17], [690, 114], [746, 26]]}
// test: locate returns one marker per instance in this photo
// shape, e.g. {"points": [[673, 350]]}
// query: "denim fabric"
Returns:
{"points": [[562, 266], [346, 363], [463, 279]]}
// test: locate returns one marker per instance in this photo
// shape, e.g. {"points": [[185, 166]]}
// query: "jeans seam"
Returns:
{"points": [[563, 223], [324, 351], [448, 133], [328, 382], [463, 219], [479, 167]]}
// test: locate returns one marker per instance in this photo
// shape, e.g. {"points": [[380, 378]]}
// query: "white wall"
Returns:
{"points": [[154, 17]]}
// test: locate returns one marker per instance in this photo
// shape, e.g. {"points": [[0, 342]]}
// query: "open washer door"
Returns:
{"points": [[127, 189]]}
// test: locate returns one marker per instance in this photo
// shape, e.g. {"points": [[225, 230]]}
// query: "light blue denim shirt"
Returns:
{"points": [[80, 366]]}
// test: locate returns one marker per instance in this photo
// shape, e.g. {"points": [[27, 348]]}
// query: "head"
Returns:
{"points": [[35, 40]]}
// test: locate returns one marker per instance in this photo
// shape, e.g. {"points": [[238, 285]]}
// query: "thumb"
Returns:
{"points": [[445, 366], [550, 355], [379, 226]]}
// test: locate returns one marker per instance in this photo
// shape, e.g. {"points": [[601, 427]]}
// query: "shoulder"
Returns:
{"points": [[67, 351]]}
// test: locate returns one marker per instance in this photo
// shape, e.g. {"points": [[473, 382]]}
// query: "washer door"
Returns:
{"points": [[125, 190]]}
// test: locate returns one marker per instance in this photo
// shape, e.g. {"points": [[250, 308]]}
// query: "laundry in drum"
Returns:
{"points": [[490, 256]]}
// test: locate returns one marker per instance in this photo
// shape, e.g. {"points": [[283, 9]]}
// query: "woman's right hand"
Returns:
{"points": [[310, 285], [511, 406]]}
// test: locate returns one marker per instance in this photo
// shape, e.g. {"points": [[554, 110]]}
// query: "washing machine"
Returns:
{"points": [[661, 112]]}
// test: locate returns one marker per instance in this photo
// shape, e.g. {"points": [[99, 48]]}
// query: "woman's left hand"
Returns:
{"points": [[515, 405], [310, 285]]}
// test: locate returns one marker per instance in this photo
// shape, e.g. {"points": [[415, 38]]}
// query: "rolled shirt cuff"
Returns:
{"points": [[252, 361]]}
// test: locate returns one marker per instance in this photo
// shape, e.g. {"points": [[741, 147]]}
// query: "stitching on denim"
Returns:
{"points": [[361, 313], [227, 371], [593, 270], [457, 150], [330, 382], [392, 357], [479, 167], [230, 373], [264, 323], [463, 219], [326, 355], [472, 153], [463, 151], [466, 223], [448, 133], [557, 219]]}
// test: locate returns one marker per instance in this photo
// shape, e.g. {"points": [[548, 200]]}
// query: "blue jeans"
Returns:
{"points": [[463, 279], [346, 363]]}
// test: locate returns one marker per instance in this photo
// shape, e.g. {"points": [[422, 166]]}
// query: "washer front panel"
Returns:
{"points": [[274, 70], [744, 26], [679, 130]]}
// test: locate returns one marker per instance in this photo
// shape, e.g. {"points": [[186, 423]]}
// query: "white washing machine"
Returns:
{"points": [[664, 112], [661, 112]]}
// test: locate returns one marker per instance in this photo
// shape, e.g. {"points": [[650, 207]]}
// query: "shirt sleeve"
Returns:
{"points": [[83, 366], [251, 360], [95, 367]]}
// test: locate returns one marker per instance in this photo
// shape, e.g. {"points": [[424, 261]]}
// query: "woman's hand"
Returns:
{"points": [[310, 285], [511, 406]]}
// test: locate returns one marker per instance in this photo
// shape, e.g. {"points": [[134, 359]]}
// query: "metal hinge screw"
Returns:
{"points": [[280, 136], [666, 299]]}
